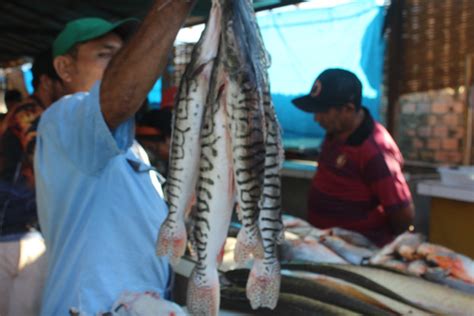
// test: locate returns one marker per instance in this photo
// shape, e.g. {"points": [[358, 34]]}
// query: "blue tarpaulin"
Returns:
{"points": [[303, 43]]}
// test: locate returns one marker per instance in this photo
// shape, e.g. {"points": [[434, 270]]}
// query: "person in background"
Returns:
{"points": [[12, 97], [153, 130], [359, 184], [22, 264], [99, 205]]}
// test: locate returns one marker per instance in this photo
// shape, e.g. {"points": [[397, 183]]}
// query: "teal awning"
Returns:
{"points": [[29, 26]]}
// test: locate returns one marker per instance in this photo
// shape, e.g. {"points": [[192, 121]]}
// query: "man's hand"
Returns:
{"points": [[135, 69], [401, 219]]}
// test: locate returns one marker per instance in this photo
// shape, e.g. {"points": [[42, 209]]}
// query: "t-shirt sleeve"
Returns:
{"points": [[83, 135], [386, 180]]}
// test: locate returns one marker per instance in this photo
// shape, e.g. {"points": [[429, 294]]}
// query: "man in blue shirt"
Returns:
{"points": [[99, 206]]}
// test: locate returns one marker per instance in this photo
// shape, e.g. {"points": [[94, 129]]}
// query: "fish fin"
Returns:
{"points": [[189, 207], [172, 241], [238, 211], [203, 294], [249, 243], [220, 256], [280, 236], [263, 285]]}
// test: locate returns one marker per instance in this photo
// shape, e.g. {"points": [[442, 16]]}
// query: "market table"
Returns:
{"points": [[451, 215]]}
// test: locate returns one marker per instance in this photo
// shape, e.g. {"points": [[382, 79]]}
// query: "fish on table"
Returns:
{"points": [[361, 293], [308, 249], [433, 297], [185, 140], [292, 283], [408, 242], [417, 267], [351, 253], [233, 298], [458, 265], [352, 238], [442, 276]]}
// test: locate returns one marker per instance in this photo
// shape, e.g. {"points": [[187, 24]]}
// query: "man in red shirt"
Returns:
{"points": [[359, 184]]}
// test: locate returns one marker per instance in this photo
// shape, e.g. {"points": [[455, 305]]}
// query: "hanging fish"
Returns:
{"points": [[185, 142], [247, 129], [215, 201], [264, 282]]}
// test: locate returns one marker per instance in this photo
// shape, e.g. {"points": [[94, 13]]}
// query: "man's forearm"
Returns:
{"points": [[134, 70], [402, 219]]}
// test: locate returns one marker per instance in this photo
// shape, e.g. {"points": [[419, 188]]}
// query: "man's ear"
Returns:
{"points": [[350, 107], [64, 66]]}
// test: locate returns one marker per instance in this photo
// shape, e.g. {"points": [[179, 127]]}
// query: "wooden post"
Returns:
{"points": [[395, 66], [469, 103]]}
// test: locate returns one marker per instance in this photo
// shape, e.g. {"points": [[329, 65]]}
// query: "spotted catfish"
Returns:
{"points": [[185, 144], [257, 151], [263, 285], [215, 203], [246, 123]]}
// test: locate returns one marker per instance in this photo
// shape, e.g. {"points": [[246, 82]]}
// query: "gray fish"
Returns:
{"points": [[355, 277], [417, 267], [405, 240], [308, 249], [389, 305], [353, 238], [233, 298], [353, 254], [185, 143], [437, 298], [308, 288], [441, 276]]}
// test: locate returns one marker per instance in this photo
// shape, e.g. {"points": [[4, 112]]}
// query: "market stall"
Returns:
{"points": [[452, 210], [236, 233]]}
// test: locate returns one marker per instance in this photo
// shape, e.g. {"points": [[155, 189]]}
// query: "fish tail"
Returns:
{"points": [[171, 241], [203, 292], [263, 285], [249, 243]]}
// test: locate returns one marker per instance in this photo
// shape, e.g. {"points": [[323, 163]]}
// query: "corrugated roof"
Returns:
{"points": [[29, 26]]}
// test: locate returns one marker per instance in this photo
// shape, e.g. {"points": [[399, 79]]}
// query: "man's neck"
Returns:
{"points": [[359, 117], [43, 98]]}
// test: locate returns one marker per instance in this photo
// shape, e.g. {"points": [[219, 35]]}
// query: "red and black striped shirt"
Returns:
{"points": [[358, 182]]}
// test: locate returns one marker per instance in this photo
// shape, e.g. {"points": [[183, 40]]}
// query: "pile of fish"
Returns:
{"points": [[408, 254], [226, 154], [333, 272], [342, 289]]}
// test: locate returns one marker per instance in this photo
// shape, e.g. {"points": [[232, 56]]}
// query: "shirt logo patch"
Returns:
{"points": [[341, 160], [316, 90]]}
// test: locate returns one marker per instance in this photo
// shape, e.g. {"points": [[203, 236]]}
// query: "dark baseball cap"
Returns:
{"points": [[86, 29], [334, 87]]}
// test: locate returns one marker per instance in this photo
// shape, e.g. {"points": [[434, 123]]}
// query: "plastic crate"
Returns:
{"points": [[462, 176]]}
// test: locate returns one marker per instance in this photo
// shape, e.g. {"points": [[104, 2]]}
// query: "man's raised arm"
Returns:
{"points": [[136, 67]]}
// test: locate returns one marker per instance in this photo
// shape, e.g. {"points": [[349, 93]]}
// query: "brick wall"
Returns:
{"points": [[431, 126]]}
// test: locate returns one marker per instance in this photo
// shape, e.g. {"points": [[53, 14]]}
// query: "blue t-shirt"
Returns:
{"points": [[99, 216]]}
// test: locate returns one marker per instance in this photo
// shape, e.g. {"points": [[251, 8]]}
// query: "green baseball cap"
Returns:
{"points": [[86, 29]]}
